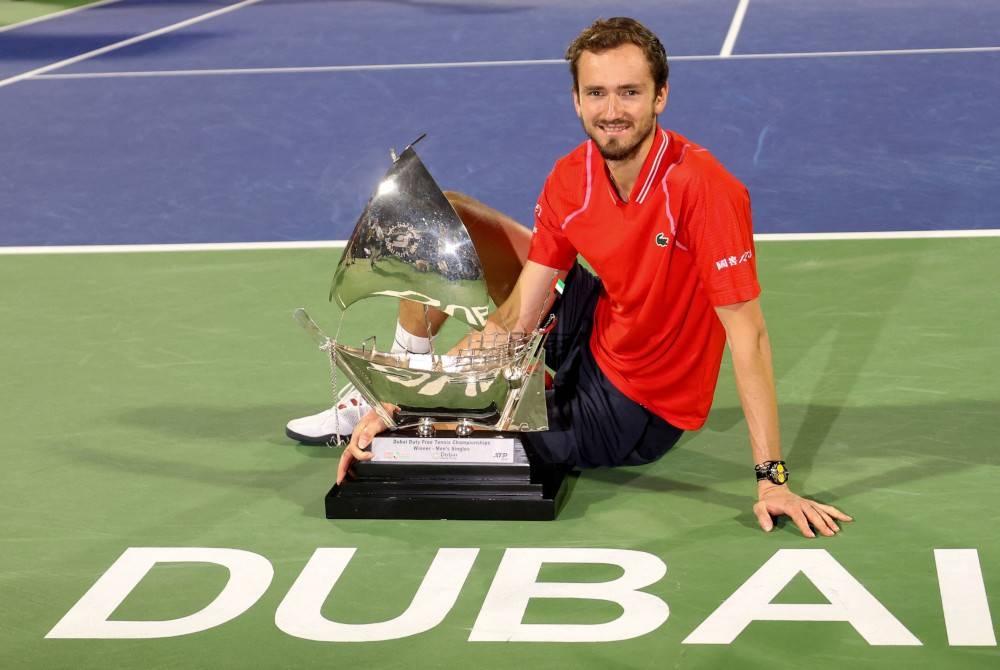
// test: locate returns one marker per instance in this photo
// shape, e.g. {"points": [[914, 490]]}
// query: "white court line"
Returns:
{"points": [[877, 235], [334, 244], [46, 17], [734, 29], [124, 43], [883, 52], [305, 69], [495, 63], [147, 248]]}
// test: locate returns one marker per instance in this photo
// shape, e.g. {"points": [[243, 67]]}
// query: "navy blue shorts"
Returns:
{"points": [[591, 423]]}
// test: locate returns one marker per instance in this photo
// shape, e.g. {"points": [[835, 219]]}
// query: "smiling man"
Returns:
{"points": [[637, 348]]}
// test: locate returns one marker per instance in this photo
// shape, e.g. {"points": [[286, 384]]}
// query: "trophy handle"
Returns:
{"points": [[528, 380], [324, 342], [302, 318]]}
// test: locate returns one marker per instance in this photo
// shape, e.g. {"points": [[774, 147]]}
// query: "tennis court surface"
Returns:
{"points": [[177, 178]]}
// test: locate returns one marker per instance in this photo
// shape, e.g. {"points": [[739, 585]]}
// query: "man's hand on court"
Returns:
{"points": [[357, 449], [779, 500]]}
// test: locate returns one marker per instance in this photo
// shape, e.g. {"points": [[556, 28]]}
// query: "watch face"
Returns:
{"points": [[779, 473]]}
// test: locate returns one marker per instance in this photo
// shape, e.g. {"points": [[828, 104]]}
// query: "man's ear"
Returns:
{"points": [[661, 98]]}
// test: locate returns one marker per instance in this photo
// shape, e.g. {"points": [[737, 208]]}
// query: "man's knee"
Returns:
{"points": [[458, 200], [501, 242]]}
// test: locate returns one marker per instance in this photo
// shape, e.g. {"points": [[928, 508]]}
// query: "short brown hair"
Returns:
{"points": [[611, 33]]}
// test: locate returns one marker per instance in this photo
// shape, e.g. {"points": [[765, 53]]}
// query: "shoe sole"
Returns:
{"points": [[321, 440]]}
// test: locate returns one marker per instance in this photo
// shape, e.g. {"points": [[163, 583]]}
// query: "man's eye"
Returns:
{"points": [[631, 91], [595, 94]]}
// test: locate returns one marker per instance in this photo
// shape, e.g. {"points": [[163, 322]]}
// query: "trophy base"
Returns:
{"points": [[526, 490]]}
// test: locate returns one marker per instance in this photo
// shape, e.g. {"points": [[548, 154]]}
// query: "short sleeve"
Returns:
{"points": [[549, 245], [722, 240]]}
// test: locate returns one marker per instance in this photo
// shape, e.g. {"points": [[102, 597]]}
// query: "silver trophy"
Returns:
{"points": [[451, 449]]}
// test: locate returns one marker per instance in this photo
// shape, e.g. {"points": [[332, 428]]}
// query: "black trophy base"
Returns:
{"points": [[526, 490]]}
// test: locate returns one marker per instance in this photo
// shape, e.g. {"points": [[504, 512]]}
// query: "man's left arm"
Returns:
{"points": [[746, 334]]}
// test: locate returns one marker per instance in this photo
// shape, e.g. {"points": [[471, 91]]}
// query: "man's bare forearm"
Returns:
{"points": [[528, 303], [750, 348], [755, 384]]}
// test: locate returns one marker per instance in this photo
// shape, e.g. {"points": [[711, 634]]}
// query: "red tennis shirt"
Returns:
{"points": [[681, 246]]}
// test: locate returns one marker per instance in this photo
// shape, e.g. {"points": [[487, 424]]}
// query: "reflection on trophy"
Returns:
{"points": [[452, 449]]}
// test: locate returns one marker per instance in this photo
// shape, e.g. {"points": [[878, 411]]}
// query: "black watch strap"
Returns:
{"points": [[773, 471]]}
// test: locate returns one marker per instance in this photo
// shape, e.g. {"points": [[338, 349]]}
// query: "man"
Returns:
{"points": [[668, 231]]}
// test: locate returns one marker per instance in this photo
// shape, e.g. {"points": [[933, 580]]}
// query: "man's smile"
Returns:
{"points": [[614, 127]]}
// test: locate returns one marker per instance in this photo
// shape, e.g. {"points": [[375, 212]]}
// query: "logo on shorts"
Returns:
{"points": [[662, 240]]}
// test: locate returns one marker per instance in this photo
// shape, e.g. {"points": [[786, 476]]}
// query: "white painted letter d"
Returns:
{"points": [[249, 576]]}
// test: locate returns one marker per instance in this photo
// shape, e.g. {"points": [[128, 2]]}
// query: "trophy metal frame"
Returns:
{"points": [[451, 450]]}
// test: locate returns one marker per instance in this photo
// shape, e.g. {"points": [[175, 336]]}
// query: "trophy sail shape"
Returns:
{"points": [[409, 243]]}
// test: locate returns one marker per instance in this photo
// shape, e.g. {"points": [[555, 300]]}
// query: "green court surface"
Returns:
{"points": [[144, 401], [15, 11]]}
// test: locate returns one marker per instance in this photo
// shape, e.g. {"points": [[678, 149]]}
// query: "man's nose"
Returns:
{"points": [[614, 105]]}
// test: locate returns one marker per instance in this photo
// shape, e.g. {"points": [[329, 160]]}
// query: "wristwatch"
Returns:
{"points": [[773, 471]]}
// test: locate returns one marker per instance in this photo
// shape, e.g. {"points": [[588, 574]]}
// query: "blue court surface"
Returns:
{"points": [[146, 393], [271, 121]]}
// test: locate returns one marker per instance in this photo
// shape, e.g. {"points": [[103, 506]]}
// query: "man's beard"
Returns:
{"points": [[615, 151]]}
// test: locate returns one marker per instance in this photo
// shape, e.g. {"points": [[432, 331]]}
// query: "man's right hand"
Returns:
{"points": [[358, 448]]}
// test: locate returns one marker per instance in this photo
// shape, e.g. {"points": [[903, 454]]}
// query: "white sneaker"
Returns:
{"points": [[331, 424]]}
